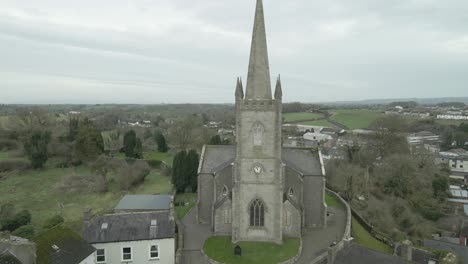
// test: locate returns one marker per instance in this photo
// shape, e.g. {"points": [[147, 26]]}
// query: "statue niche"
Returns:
{"points": [[258, 134]]}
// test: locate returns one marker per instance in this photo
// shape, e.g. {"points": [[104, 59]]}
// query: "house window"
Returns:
{"points": [[127, 254], [154, 252], [257, 213], [101, 255], [454, 164]]}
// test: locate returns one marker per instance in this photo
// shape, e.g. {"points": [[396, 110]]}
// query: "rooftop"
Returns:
{"points": [[129, 227], [145, 202]]}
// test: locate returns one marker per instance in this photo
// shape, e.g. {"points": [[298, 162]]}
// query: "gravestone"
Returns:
{"points": [[238, 251]]}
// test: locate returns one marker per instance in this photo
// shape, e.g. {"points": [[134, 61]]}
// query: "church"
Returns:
{"points": [[259, 190]]}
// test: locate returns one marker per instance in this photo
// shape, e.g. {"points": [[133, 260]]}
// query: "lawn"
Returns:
{"points": [[4, 155], [182, 210], [332, 201], [36, 192], [356, 118], [291, 117], [222, 250], [362, 237], [321, 122]]}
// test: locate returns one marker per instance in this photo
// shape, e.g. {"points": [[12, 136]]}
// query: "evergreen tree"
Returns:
{"points": [[36, 148], [89, 143], [179, 171], [192, 161], [161, 141], [129, 144], [138, 149]]}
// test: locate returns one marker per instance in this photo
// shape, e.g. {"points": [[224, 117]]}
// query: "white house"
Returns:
{"points": [[317, 136], [139, 238]]}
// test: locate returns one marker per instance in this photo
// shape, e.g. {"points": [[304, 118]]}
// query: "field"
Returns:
{"points": [[356, 118], [3, 121], [321, 122], [450, 122], [291, 117], [4, 155], [36, 191], [222, 250]]}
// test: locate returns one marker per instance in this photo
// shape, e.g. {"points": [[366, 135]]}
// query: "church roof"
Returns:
{"points": [[355, 254], [304, 161], [258, 77]]}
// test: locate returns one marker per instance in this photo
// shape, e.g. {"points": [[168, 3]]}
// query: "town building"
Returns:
{"points": [[16, 250], [143, 237], [258, 190]]}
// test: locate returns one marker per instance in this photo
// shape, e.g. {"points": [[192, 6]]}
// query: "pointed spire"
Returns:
{"points": [[239, 89], [278, 90], [258, 78]]}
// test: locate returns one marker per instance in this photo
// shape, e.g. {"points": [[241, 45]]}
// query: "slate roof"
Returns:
{"points": [[128, 227], [305, 161], [9, 258], [72, 249], [355, 254], [145, 202]]}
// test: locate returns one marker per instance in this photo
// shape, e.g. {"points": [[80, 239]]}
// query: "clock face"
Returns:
{"points": [[258, 169]]}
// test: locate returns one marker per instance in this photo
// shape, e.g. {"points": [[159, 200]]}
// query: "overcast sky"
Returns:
{"points": [[191, 51]]}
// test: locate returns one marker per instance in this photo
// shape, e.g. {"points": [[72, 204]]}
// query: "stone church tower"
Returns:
{"points": [[257, 192]]}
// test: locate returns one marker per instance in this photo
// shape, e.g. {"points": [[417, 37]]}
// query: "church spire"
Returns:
{"points": [[258, 78], [278, 89], [239, 89]]}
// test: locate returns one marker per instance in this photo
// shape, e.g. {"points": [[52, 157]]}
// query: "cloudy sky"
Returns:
{"points": [[178, 51]]}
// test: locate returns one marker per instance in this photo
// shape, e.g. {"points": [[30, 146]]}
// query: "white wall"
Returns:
{"points": [[140, 251]]}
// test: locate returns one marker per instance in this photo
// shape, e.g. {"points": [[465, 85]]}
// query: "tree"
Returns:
{"points": [[73, 128], [138, 149], [89, 143], [185, 132], [20, 219], [440, 185], [161, 142], [179, 171], [215, 140], [192, 160], [129, 144], [36, 148]]}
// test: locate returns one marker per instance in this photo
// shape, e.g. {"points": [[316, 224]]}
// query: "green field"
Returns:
{"points": [[450, 122], [4, 156], [191, 198], [36, 191], [356, 118], [321, 122], [221, 249], [291, 117], [362, 237]]}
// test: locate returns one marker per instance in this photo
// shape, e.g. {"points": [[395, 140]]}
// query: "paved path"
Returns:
{"points": [[194, 236], [316, 241]]}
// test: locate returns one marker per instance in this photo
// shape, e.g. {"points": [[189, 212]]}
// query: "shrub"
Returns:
{"points": [[133, 174], [26, 231], [53, 221], [8, 144], [13, 165], [20, 219], [155, 164]]}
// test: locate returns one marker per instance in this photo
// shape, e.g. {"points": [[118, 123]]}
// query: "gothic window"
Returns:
{"points": [[225, 191], [257, 213], [258, 131], [291, 192], [287, 218], [227, 216]]}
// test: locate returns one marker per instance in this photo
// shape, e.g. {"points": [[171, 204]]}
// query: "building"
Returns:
{"points": [[423, 137], [144, 203], [259, 190], [457, 160], [317, 136], [144, 237], [464, 234], [62, 245], [17, 250]]}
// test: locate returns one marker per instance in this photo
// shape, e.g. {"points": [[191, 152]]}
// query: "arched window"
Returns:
{"points": [[291, 192], [257, 213], [225, 190]]}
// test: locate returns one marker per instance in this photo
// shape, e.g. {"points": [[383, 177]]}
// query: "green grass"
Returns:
{"points": [[362, 237], [332, 201], [166, 157], [321, 122], [36, 192], [291, 117], [4, 156], [356, 118], [221, 249], [450, 122], [191, 198]]}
